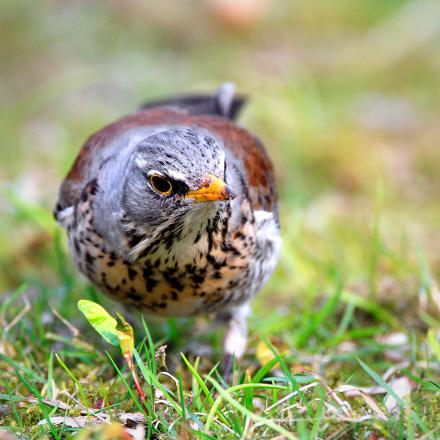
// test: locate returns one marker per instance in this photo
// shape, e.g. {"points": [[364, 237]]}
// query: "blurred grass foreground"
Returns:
{"points": [[346, 97]]}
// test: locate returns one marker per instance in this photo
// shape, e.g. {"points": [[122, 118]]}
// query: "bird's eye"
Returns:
{"points": [[161, 185]]}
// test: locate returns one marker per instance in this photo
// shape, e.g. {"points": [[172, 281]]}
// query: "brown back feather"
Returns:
{"points": [[244, 146]]}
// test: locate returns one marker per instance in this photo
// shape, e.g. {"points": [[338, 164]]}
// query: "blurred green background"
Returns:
{"points": [[345, 95]]}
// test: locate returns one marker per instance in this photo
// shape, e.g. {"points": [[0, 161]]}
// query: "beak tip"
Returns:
{"points": [[212, 190]]}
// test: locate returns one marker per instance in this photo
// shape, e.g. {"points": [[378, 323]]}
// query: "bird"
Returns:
{"points": [[173, 210]]}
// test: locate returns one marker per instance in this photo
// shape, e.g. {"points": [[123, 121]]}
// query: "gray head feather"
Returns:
{"points": [[184, 156]]}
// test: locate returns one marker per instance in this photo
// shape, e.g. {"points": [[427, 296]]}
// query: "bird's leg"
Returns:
{"points": [[235, 338]]}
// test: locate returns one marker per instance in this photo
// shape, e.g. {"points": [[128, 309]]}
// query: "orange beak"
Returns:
{"points": [[213, 189]]}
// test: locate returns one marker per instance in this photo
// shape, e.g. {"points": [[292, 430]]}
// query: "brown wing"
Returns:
{"points": [[245, 147]]}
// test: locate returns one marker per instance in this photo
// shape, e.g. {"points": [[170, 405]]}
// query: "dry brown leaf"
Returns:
{"points": [[402, 386], [161, 355], [55, 403], [100, 429], [352, 390], [72, 422], [131, 419], [183, 433], [374, 406]]}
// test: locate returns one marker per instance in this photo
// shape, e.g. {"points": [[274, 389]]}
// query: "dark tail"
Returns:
{"points": [[223, 103]]}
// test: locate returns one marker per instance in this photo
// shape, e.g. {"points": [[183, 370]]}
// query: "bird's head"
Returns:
{"points": [[173, 174]]}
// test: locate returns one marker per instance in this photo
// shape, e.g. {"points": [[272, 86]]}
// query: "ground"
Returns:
{"points": [[344, 340]]}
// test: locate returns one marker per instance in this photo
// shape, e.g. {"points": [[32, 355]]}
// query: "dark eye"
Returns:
{"points": [[160, 184]]}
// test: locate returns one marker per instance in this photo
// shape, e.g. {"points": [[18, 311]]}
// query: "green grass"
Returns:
{"points": [[293, 382], [344, 340]]}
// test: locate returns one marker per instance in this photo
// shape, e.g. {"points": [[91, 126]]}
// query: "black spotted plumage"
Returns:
{"points": [[207, 246]]}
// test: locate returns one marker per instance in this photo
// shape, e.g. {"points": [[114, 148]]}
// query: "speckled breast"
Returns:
{"points": [[226, 267]]}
